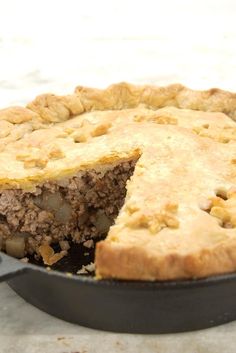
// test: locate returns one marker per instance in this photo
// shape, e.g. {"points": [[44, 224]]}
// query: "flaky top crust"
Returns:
{"points": [[42, 140], [178, 220], [124, 96]]}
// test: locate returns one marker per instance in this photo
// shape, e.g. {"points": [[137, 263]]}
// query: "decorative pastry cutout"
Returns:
{"points": [[153, 221], [219, 134], [223, 207]]}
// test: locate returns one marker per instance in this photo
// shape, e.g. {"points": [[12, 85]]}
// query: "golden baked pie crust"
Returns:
{"points": [[178, 220]]}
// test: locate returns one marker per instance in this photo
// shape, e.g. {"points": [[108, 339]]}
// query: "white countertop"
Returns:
{"points": [[52, 46]]}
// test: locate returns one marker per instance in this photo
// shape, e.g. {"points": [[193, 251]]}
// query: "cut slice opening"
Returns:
{"points": [[60, 213]]}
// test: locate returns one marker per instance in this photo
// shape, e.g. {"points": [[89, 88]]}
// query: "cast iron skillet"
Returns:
{"points": [[122, 306]]}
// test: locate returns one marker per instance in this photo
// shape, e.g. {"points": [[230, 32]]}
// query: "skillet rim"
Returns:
{"points": [[24, 268]]}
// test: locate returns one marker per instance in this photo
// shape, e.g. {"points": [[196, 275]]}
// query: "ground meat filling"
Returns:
{"points": [[79, 208]]}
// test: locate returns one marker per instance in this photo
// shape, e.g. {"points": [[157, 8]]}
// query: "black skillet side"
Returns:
{"points": [[120, 306]]}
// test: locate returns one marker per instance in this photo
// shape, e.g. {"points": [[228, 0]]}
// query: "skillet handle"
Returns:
{"points": [[10, 267]]}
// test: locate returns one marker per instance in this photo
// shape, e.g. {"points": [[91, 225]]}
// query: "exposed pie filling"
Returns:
{"points": [[76, 208]]}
